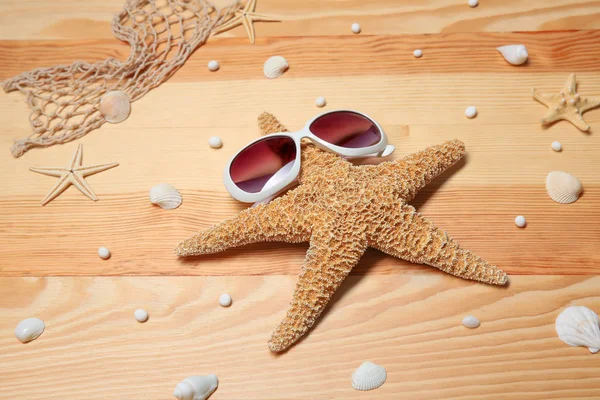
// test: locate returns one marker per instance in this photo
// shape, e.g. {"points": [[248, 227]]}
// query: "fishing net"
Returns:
{"points": [[66, 100]]}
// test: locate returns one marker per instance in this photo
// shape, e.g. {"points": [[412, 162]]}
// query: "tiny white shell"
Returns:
{"points": [[473, 3], [320, 102], [556, 146], [275, 67], [355, 27], [368, 376], [520, 221], [563, 187], [165, 196], [29, 329], [578, 326], [215, 142], [213, 65], [471, 322], [418, 53], [140, 315], [225, 300], [196, 387], [516, 54], [115, 106], [103, 252], [471, 112]]}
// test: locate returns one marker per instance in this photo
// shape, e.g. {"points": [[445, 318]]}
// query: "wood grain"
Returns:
{"points": [[93, 348]]}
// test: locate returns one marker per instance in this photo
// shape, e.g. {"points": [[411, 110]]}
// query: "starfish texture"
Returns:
{"points": [[567, 105], [74, 175], [341, 209], [245, 17]]}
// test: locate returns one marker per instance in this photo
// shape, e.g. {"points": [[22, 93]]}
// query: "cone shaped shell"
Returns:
{"points": [[516, 54]]}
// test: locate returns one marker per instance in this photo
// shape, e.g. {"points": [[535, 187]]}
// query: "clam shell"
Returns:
{"points": [[368, 376], [578, 326], [165, 196], [275, 67], [516, 54], [563, 187], [115, 106]]}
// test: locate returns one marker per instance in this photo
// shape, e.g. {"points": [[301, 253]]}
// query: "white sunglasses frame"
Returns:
{"points": [[380, 149]]}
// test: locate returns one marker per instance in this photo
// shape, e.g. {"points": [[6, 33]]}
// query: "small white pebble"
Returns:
{"points": [[104, 253], [355, 28], [473, 3], [556, 146], [213, 65], [225, 300], [471, 112], [320, 102], [471, 322], [418, 53], [215, 142], [520, 221], [29, 329], [140, 315]]}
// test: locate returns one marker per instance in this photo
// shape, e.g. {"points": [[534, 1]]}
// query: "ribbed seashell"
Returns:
{"points": [[563, 187], [516, 54], [275, 67], [165, 196], [115, 106], [368, 376], [578, 326], [196, 387]]}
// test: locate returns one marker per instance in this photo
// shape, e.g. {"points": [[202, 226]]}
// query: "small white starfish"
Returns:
{"points": [[247, 17], [74, 175]]}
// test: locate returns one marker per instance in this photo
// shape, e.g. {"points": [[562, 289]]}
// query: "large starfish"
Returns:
{"points": [[245, 17], [74, 175], [342, 209], [567, 105]]}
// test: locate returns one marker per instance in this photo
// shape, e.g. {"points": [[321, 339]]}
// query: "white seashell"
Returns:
{"points": [[471, 112], [29, 329], [418, 53], [563, 187], [104, 253], [140, 315], [275, 67], [556, 146], [578, 326], [225, 300], [520, 221], [368, 376], [165, 196], [516, 54], [115, 106], [213, 65], [473, 3], [196, 387], [471, 322], [215, 142], [355, 27], [320, 102]]}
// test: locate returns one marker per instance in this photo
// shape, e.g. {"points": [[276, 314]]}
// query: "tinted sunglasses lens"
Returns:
{"points": [[260, 162], [346, 129]]}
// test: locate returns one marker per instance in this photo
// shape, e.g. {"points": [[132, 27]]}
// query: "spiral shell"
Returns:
{"points": [[196, 387], [368, 376], [165, 196], [115, 106], [563, 187], [275, 67], [516, 54]]}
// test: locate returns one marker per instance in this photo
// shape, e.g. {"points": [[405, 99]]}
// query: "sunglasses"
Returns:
{"points": [[270, 164]]}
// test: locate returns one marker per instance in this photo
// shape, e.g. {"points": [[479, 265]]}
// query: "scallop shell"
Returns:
{"points": [[578, 326], [196, 387], [563, 187], [275, 67], [368, 376], [516, 54], [115, 106], [165, 196]]}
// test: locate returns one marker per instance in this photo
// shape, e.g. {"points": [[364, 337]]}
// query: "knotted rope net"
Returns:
{"points": [[65, 99]]}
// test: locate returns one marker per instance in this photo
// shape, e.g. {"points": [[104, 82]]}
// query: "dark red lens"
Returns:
{"points": [[256, 164], [346, 129]]}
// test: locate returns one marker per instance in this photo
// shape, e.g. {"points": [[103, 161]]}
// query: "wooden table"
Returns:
{"points": [[405, 317]]}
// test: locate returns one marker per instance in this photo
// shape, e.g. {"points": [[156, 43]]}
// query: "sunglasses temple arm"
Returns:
{"points": [[389, 149]]}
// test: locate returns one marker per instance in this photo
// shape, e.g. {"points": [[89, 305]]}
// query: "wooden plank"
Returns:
{"points": [[91, 19], [93, 348]]}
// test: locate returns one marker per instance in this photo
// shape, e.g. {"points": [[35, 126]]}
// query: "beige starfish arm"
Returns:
{"points": [[415, 171], [229, 24], [589, 103], [263, 18], [79, 182], [60, 187], [410, 236], [281, 220], [77, 157], [576, 119], [249, 28], [570, 85], [94, 169], [333, 253], [551, 116], [49, 171], [544, 98]]}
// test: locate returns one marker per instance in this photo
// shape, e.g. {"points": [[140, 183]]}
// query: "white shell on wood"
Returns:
{"points": [[225, 300], [471, 322], [563, 187], [141, 315], [103, 253], [196, 387], [165, 196], [368, 376], [516, 54], [29, 329], [578, 326], [115, 106], [275, 67]]}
